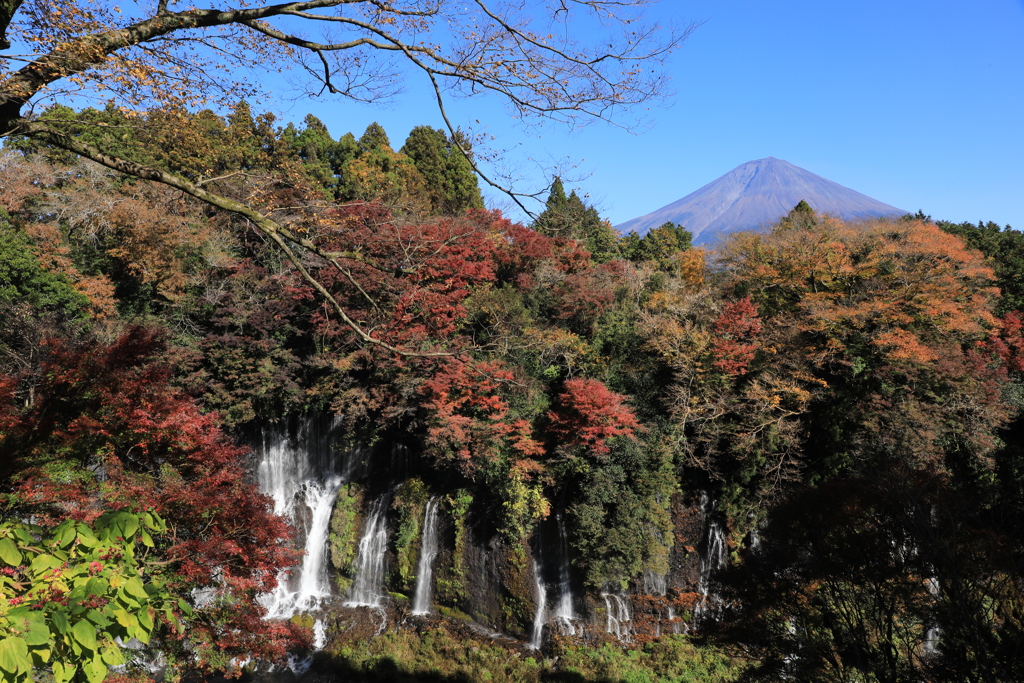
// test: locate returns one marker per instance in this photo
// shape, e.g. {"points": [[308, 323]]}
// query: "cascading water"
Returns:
{"points": [[428, 551], [540, 616], [930, 645], [302, 474], [712, 560], [619, 620], [654, 583], [368, 586], [564, 612]]}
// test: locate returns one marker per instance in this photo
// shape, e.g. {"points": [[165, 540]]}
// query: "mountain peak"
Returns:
{"points": [[756, 194]]}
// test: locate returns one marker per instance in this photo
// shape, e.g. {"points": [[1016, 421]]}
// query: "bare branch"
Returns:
{"points": [[279, 234]]}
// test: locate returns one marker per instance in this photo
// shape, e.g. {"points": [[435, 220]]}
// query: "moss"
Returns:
{"points": [[441, 654], [450, 582], [409, 504], [518, 604], [345, 519]]}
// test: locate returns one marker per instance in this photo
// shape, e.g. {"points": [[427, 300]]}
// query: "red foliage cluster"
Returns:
{"points": [[735, 329], [588, 414], [524, 249], [1008, 345], [585, 295], [108, 409], [410, 277], [468, 417]]}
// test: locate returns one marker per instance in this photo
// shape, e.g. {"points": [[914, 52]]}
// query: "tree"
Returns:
{"points": [[445, 168], [160, 55], [98, 428], [568, 217], [659, 245]]}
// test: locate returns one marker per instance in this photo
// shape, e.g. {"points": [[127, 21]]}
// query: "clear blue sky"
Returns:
{"points": [[919, 104]]}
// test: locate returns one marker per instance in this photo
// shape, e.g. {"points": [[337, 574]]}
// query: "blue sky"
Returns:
{"points": [[917, 104]]}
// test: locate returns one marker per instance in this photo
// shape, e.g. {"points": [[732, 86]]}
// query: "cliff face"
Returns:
{"points": [[754, 195], [366, 573]]}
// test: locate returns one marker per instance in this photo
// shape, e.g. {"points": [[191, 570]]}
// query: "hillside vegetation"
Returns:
{"points": [[848, 393]]}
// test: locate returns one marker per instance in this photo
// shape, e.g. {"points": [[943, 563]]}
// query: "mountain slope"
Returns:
{"points": [[755, 194]]}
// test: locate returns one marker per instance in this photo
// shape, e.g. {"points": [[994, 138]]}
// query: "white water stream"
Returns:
{"points": [[540, 616], [564, 612], [368, 586], [712, 560], [620, 621], [302, 474], [428, 551]]}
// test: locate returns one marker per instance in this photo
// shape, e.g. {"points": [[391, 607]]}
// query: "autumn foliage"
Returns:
{"points": [[107, 409], [588, 414]]}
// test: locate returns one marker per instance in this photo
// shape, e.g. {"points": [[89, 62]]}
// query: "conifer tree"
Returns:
{"points": [[447, 173], [568, 217]]}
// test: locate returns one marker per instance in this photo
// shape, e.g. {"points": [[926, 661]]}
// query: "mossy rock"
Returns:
{"points": [[344, 528], [409, 505]]}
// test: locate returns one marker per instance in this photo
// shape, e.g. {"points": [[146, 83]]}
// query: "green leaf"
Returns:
{"points": [[60, 620], [147, 540], [95, 670], [98, 618], [112, 656], [66, 535], [9, 552], [146, 618], [87, 538], [97, 586], [37, 634], [14, 655], [62, 673], [85, 633], [185, 608], [130, 526], [43, 562], [125, 619], [135, 588], [42, 654]]}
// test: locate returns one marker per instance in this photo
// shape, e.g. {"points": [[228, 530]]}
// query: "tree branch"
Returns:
{"points": [[279, 234]]}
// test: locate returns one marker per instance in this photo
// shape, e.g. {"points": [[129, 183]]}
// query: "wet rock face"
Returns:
{"points": [[478, 575], [499, 584], [684, 558]]}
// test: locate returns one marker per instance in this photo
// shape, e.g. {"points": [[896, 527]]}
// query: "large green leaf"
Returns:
{"points": [[85, 633], [14, 655], [43, 562], [62, 673], [60, 620], [135, 588], [9, 552], [112, 656], [95, 670], [130, 524], [37, 634]]}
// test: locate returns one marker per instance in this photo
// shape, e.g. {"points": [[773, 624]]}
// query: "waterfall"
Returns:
{"points": [[712, 560], [618, 616], [540, 615], [302, 474], [654, 583], [428, 550], [930, 645], [564, 612], [368, 587]]}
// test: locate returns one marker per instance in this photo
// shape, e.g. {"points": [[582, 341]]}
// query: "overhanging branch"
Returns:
{"points": [[278, 233]]}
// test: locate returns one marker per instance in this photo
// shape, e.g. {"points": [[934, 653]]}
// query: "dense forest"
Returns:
{"points": [[795, 456]]}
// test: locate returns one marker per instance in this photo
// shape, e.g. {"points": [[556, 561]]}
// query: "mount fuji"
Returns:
{"points": [[756, 194]]}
